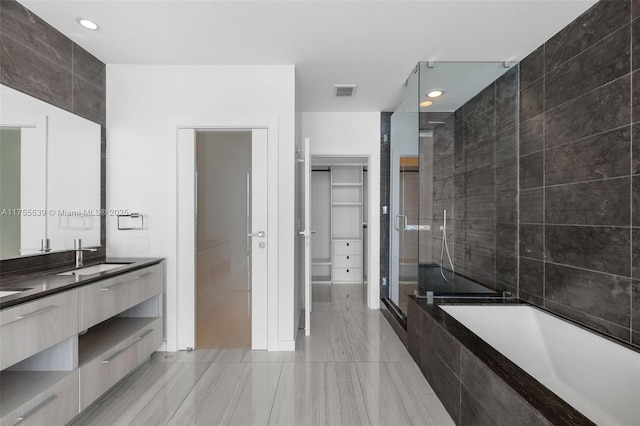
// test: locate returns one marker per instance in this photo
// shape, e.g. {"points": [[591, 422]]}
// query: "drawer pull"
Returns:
{"points": [[144, 275], [347, 244], [347, 270], [35, 409], [32, 314], [347, 257], [114, 285], [115, 355]]}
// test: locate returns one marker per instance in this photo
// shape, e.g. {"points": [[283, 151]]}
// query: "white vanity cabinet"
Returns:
{"points": [[62, 352]]}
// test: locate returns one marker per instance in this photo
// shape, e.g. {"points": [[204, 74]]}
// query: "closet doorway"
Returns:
{"points": [[339, 242]]}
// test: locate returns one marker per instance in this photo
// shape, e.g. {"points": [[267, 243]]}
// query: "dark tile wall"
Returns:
{"points": [[385, 199], [476, 181], [579, 167], [38, 60]]}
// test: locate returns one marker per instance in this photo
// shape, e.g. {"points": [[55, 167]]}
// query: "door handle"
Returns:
{"points": [[404, 223], [260, 234]]}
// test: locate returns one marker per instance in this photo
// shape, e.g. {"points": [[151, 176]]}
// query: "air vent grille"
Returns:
{"points": [[344, 90]]}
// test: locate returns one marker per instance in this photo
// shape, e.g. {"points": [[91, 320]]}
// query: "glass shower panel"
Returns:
{"points": [[404, 212], [223, 295]]}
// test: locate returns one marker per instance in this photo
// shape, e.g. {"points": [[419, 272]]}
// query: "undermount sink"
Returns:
{"points": [[10, 291], [90, 270]]}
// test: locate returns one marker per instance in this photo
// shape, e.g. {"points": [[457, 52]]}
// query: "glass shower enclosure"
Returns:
{"points": [[453, 183]]}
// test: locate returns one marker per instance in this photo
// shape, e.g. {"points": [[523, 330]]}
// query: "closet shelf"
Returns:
{"points": [[346, 184], [346, 204], [321, 261]]}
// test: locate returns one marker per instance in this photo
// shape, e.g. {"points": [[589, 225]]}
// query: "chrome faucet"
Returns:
{"points": [[77, 247]]}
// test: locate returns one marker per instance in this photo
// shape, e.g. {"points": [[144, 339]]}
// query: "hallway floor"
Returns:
{"points": [[352, 370]]}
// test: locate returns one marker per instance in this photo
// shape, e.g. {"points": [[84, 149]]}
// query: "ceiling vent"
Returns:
{"points": [[344, 90]]}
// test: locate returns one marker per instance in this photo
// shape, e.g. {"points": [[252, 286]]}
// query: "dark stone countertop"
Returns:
{"points": [[552, 407], [43, 283]]}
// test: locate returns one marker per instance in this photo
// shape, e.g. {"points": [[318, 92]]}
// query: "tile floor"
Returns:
{"points": [[352, 370]]}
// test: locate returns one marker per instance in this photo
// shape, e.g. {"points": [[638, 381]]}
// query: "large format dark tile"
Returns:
{"points": [[89, 68], [480, 154], [531, 135], [584, 317], [635, 9], [532, 67], [635, 306], [602, 19], [532, 100], [605, 108], [603, 62], [531, 170], [532, 276], [601, 295], [499, 399], [506, 176], [635, 44], [26, 28], [602, 156], [506, 95], [507, 238], [507, 269], [33, 74], [507, 144], [635, 200], [604, 202], [89, 101], [472, 412], [635, 149], [635, 96], [604, 249], [635, 253], [532, 241], [479, 117], [531, 205], [507, 207]]}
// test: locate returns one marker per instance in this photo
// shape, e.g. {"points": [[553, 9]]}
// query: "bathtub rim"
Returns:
{"points": [[551, 406]]}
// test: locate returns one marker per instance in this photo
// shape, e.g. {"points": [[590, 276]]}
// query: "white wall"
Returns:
{"points": [[142, 101], [353, 134]]}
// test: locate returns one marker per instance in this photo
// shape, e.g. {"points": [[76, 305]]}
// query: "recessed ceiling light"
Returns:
{"points": [[88, 24], [435, 93], [426, 103]]}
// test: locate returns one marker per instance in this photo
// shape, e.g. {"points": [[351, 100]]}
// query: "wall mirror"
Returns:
{"points": [[49, 176]]}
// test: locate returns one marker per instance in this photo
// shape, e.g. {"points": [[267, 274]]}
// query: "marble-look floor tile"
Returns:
{"points": [[301, 395], [231, 394], [372, 338], [328, 341], [420, 401], [345, 400], [384, 405]]}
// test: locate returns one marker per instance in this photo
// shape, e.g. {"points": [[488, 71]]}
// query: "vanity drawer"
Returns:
{"points": [[347, 274], [29, 328], [54, 406], [109, 297], [347, 246], [107, 369], [347, 260]]}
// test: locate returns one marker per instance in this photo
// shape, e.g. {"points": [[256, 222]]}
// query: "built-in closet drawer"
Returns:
{"points": [[100, 372], [55, 405], [347, 260], [34, 326], [347, 274], [347, 247], [109, 297]]}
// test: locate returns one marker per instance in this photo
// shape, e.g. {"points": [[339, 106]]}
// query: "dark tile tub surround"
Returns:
{"points": [[477, 384], [38, 60], [578, 157]]}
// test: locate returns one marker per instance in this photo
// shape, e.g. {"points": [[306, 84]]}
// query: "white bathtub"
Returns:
{"points": [[598, 377]]}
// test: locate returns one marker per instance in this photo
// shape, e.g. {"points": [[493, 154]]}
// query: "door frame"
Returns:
{"points": [[180, 292]]}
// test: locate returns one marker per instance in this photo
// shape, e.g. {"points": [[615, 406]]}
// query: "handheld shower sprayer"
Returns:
{"points": [[445, 245]]}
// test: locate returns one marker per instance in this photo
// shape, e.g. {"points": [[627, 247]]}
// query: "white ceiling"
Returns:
{"points": [[374, 44]]}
